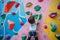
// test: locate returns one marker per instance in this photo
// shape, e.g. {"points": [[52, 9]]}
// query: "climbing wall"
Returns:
{"points": [[52, 20]]}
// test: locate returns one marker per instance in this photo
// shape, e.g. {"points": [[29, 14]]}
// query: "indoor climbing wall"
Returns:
{"points": [[52, 20], [33, 7]]}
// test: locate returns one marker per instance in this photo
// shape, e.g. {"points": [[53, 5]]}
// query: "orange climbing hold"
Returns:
{"points": [[10, 24], [8, 6]]}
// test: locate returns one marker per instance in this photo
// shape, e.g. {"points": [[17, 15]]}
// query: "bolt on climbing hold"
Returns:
{"points": [[3, 16], [1, 37], [53, 26], [40, 0], [10, 24], [45, 26], [8, 37], [28, 12], [35, 16], [40, 16], [57, 36], [29, 4], [58, 6], [52, 14], [37, 8], [17, 5], [13, 13]]}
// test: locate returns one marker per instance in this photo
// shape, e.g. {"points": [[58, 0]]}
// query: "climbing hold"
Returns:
{"points": [[13, 13], [40, 0], [28, 12], [53, 25], [45, 26], [2, 23], [7, 37], [40, 16], [21, 23], [24, 37], [10, 24], [59, 18], [37, 8], [1, 37], [52, 14], [57, 36], [17, 5], [35, 16], [58, 6], [29, 4], [15, 33], [3, 16], [8, 6]]}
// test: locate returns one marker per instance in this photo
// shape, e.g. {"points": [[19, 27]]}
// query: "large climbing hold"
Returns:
{"points": [[58, 6], [10, 24], [37, 8], [53, 26], [1, 37], [3, 16], [52, 14], [8, 6]]}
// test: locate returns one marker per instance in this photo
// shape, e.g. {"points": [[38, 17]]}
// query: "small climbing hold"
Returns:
{"points": [[58, 6], [37, 8], [10, 24], [45, 26], [28, 12], [13, 13], [1, 37], [3, 16], [21, 22], [53, 26], [17, 5], [2, 23], [8, 6], [59, 18], [15, 33], [35, 16], [40, 16], [52, 14], [29, 4], [8, 37], [40, 0]]}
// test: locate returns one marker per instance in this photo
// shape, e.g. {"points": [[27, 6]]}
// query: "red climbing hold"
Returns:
{"points": [[10, 24], [53, 14], [45, 26], [40, 0], [21, 23], [17, 5], [8, 6], [58, 7]]}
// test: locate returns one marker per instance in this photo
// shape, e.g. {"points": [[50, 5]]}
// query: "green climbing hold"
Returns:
{"points": [[15, 33], [3, 16], [35, 16], [40, 16], [37, 8], [53, 25], [1, 37], [28, 12]]}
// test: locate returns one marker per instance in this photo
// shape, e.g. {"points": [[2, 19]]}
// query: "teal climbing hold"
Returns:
{"points": [[35, 16], [37, 8], [40, 16], [53, 25], [14, 32], [3, 16], [28, 12], [1, 37]]}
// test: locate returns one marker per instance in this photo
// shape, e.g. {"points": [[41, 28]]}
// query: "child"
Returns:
{"points": [[33, 26]]}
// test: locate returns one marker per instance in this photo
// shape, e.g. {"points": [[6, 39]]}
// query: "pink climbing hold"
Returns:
{"points": [[17, 5], [53, 14], [10, 24], [40, 0], [58, 7]]}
